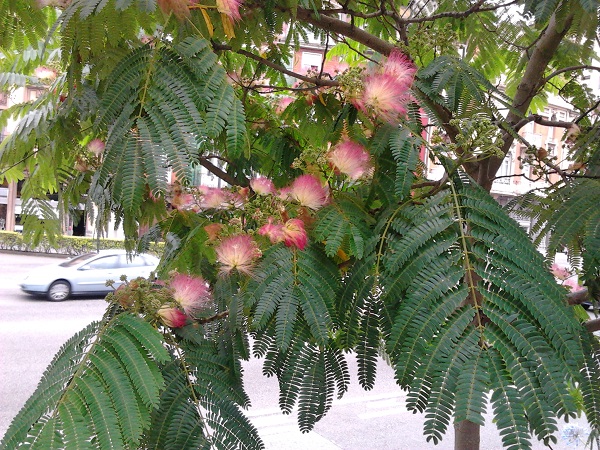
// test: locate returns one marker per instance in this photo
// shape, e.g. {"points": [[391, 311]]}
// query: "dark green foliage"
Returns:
{"points": [[440, 323], [98, 390], [177, 423], [159, 107], [294, 286], [344, 226], [309, 375], [405, 150], [455, 84], [22, 24], [215, 386]]}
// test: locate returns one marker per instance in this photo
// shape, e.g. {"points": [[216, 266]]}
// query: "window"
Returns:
{"points": [[108, 262], [311, 61], [137, 261], [505, 169], [77, 260], [33, 93]]}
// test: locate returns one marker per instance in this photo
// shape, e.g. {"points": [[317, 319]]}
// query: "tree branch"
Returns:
{"points": [[316, 81], [537, 118], [217, 171], [347, 29], [476, 8], [569, 69]]}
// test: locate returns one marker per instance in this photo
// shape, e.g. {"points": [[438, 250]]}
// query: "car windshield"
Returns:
{"points": [[77, 260]]}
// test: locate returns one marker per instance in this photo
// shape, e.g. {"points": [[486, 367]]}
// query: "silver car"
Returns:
{"points": [[87, 274]]}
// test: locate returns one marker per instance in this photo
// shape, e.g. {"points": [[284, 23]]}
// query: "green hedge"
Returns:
{"points": [[67, 245]]}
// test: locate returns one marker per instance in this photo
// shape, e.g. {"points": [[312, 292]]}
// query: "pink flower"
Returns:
{"points": [[294, 234], [235, 199], [262, 186], [284, 193], [230, 8], [212, 198], [183, 201], [283, 103], [308, 191], [350, 158], [384, 96], [237, 252], [399, 66], [172, 317], [562, 273], [190, 292], [273, 231], [572, 285], [96, 146], [45, 73], [386, 92]]}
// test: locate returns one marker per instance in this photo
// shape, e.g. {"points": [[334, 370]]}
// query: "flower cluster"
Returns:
{"points": [[292, 233], [174, 303], [205, 198], [235, 248], [190, 294], [386, 91]]}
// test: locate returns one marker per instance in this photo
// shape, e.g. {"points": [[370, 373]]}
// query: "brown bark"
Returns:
{"points": [[466, 435]]}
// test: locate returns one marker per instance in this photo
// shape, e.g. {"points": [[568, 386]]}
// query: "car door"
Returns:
{"points": [[93, 275]]}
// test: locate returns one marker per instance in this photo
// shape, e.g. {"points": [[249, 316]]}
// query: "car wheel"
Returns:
{"points": [[59, 291]]}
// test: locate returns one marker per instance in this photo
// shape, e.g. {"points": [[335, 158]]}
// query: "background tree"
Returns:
{"points": [[329, 239]]}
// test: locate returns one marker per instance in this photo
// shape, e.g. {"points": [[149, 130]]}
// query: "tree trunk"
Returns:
{"points": [[466, 435]]}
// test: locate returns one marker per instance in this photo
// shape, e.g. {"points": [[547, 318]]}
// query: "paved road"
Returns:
{"points": [[32, 330]]}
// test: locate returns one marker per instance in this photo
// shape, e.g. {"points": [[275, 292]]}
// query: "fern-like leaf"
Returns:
{"points": [[98, 386]]}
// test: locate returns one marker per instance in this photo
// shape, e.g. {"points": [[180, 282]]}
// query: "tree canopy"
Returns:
{"points": [[329, 238]]}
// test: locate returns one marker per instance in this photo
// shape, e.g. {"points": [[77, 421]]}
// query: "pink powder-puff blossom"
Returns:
{"points": [[308, 191], [273, 231], [562, 273], [294, 234], [350, 158], [45, 73], [212, 198], [284, 193], [230, 8], [237, 252], [399, 66], [235, 199], [262, 186], [387, 91], [182, 201], [384, 97], [172, 317], [96, 146], [572, 284], [191, 293]]}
